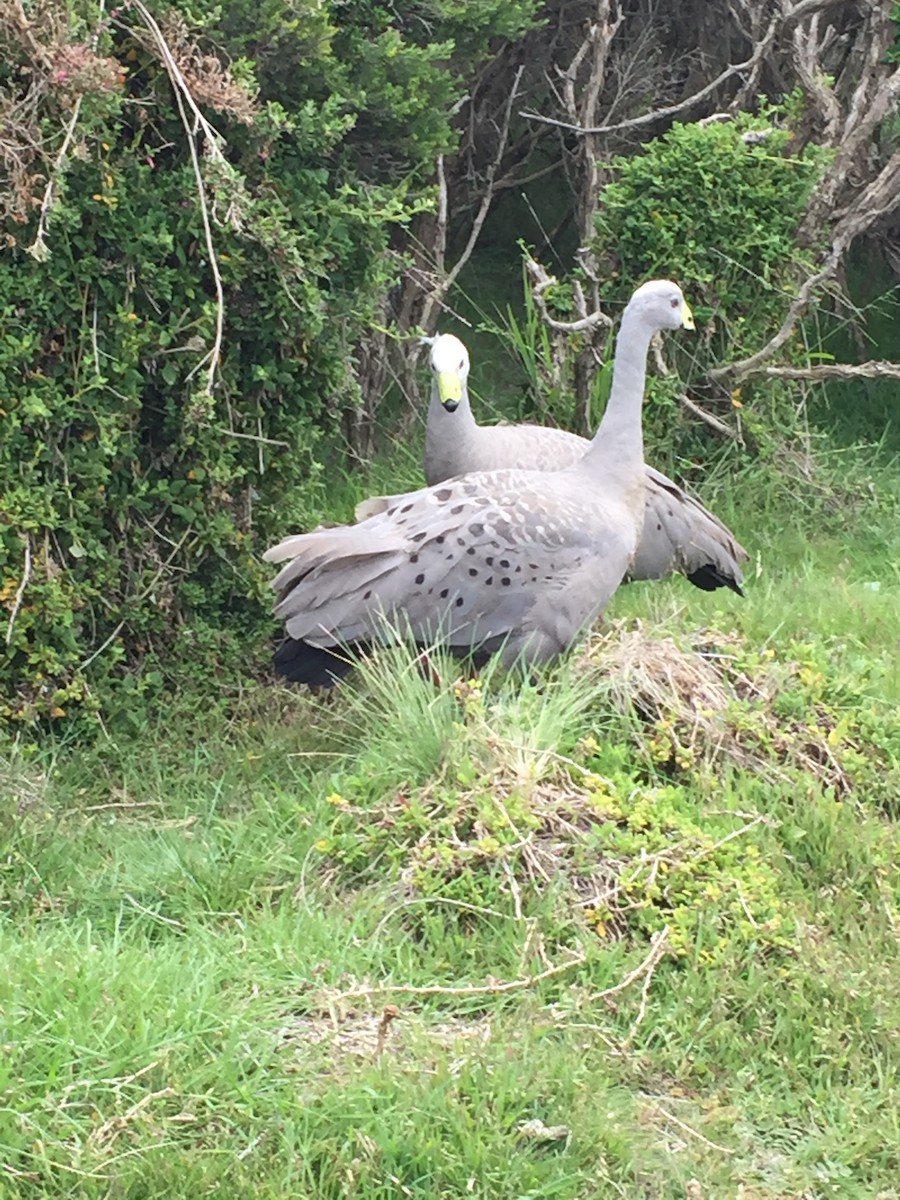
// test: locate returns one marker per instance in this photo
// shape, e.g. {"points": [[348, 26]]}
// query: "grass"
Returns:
{"points": [[202, 925]]}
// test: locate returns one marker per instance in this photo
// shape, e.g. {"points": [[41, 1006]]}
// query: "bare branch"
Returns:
{"points": [[443, 219], [708, 418], [867, 370], [213, 145], [673, 110], [541, 282], [434, 300], [38, 248], [762, 48], [812, 78], [805, 9], [20, 591], [486, 989], [747, 366], [880, 197]]}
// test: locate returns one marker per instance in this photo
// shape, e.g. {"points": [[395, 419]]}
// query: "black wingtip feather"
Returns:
{"points": [[316, 666], [708, 578]]}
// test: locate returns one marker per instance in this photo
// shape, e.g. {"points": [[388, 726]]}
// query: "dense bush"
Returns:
{"points": [[135, 497], [718, 213]]}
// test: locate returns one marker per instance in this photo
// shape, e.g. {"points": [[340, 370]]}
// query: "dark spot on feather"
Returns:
{"points": [[669, 511], [506, 581], [414, 558], [406, 508], [445, 593], [476, 529], [533, 567], [518, 568], [420, 578], [658, 526], [417, 537], [460, 541], [368, 594], [456, 510], [504, 562], [443, 494], [502, 529], [440, 539], [489, 581], [490, 560], [471, 550], [470, 489], [459, 601], [473, 571]]}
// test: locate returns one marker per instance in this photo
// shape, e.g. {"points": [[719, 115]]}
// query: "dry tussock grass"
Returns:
{"points": [[708, 701]]}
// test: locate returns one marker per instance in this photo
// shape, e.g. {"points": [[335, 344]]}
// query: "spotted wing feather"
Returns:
{"points": [[507, 557]]}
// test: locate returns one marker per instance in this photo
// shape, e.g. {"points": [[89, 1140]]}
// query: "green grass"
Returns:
{"points": [[191, 917]]}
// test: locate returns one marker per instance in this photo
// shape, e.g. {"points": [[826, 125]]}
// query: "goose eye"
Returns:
{"points": [[462, 363], [674, 303]]}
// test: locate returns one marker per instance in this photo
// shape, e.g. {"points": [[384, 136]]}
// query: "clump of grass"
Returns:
{"points": [[711, 701], [505, 820]]}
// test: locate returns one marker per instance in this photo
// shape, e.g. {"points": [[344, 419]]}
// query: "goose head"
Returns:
{"points": [[660, 304], [450, 364]]}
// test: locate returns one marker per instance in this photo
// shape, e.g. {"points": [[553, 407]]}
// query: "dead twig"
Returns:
{"points": [[542, 281], [657, 950], [482, 989], [134, 602], [436, 297], [20, 591], [107, 1133], [38, 248], [866, 370], [708, 418], [214, 142], [689, 1129], [658, 114], [654, 954], [745, 367]]}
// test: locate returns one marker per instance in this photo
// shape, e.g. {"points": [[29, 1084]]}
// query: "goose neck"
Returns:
{"points": [[619, 439]]}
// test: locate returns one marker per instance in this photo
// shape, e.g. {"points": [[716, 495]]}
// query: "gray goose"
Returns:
{"points": [[678, 534], [515, 562]]}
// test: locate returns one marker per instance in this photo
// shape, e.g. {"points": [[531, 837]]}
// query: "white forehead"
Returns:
{"points": [[448, 353], [665, 289]]}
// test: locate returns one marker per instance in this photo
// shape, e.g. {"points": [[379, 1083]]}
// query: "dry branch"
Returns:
{"points": [[20, 591], [38, 248], [482, 989], [806, 8], [867, 370], [213, 143], [672, 110], [542, 281], [743, 368], [708, 418], [444, 285]]}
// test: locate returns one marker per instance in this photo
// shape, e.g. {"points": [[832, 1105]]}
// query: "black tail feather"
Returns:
{"points": [[709, 577], [317, 666], [320, 666]]}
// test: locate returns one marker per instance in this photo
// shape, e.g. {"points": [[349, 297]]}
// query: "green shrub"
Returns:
{"points": [[134, 500], [704, 207]]}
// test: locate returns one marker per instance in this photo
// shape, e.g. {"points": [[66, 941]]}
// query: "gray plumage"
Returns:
{"points": [[678, 534], [515, 561]]}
